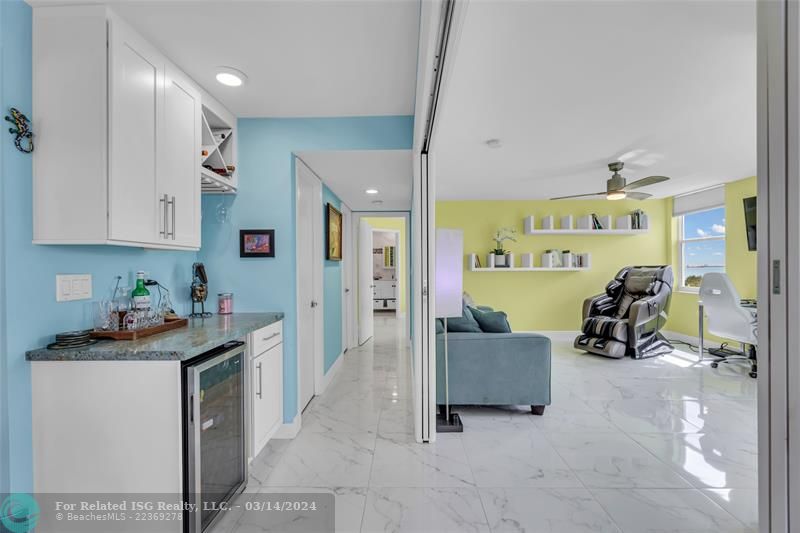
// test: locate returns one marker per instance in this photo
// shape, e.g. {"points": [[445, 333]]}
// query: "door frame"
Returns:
{"points": [[318, 291], [778, 264], [441, 24], [357, 216]]}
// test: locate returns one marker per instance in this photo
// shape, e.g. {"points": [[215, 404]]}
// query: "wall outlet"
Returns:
{"points": [[71, 287]]}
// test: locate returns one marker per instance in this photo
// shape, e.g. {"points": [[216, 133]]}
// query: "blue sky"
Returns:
{"points": [[704, 253]]}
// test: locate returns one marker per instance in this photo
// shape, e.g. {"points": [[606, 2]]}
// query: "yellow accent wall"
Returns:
{"points": [[551, 300], [740, 264], [396, 224]]}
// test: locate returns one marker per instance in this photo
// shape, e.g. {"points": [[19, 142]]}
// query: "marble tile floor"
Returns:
{"points": [[657, 445]]}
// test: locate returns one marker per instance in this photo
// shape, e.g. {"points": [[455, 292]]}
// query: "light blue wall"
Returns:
{"points": [[266, 199], [4, 480], [30, 311], [332, 291]]}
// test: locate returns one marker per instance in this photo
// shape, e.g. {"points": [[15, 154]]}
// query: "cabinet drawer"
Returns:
{"points": [[266, 338]]}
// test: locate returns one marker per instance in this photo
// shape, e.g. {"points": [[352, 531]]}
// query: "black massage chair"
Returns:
{"points": [[627, 318]]}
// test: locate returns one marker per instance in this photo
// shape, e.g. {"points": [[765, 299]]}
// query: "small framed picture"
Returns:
{"points": [[257, 243], [334, 234]]}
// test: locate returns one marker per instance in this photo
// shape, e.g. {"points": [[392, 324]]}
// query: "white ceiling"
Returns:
{"points": [[349, 173], [319, 58], [567, 87]]}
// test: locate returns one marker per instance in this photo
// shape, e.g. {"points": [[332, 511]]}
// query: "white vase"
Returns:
{"points": [[499, 260]]}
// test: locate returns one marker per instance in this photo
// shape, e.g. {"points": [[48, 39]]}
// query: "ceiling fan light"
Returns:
{"points": [[615, 195]]}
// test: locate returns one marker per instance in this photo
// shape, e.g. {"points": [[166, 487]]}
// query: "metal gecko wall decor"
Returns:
{"points": [[22, 130]]}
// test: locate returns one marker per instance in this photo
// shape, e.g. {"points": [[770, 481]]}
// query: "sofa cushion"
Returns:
{"points": [[465, 323], [605, 327], [439, 326], [491, 321]]}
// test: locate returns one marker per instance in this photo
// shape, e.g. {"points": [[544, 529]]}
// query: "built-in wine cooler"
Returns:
{"points": [[215, 458]]}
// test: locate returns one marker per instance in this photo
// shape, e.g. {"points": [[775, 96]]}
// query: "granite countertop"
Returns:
{"points": [[201, 335]]}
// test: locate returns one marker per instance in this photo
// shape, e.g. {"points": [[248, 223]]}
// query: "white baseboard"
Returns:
{"points": [[328, 376], [289, 430]]}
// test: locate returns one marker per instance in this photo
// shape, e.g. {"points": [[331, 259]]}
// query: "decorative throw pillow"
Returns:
{"points": [[468, 299], [491, 321], [466, 323]]}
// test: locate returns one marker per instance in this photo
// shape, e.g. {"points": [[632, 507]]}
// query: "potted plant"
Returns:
{"points": [[502, 235]]}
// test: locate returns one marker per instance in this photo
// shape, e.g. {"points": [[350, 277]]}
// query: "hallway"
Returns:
{"points": [[356, 440]]}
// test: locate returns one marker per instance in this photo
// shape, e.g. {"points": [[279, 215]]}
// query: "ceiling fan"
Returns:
{"points": [[618, 189]]}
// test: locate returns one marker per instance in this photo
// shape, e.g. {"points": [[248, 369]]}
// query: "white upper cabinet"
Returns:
{"points": [[136, 98], [181, 146], [118, 156]]}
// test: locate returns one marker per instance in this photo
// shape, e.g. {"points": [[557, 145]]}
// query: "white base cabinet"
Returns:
{"points": [[266, 396]]}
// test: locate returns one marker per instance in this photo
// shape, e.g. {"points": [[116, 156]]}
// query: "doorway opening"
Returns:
{"points": [[382, 273]]}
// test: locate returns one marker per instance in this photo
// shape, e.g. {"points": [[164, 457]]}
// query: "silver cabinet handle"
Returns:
{"points": [[258, 392], [271, 336], [163, 232], [172, 203]]}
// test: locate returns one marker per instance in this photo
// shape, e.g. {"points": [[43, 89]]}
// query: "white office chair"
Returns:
{"points": [[727, 318]]}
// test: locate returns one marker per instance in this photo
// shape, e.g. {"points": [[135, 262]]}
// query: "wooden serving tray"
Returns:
{"points": [[132, 335]]}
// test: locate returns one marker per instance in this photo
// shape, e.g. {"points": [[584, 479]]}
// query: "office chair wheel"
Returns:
{"points": [[714, 364], [753, 375]]}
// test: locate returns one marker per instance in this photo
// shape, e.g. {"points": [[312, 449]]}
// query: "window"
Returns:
{"points": [[702, 245]]}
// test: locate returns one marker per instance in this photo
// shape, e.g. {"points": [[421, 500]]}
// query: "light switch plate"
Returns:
{"points": [[71, 287]]}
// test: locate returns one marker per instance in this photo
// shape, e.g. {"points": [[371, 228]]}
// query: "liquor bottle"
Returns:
{"points": [[140, 295]]}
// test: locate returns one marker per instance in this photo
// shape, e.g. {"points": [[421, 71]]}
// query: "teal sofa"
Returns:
{"points": [[495, 369]]}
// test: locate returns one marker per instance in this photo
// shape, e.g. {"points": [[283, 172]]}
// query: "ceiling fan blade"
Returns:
{"points": [[637, 195], [644, 182], [580, 195]]}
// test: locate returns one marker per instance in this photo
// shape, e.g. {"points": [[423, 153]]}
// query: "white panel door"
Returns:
{"points": [[366, 283], [309, 272], [348, 289], [178, 183], [135, 97]]}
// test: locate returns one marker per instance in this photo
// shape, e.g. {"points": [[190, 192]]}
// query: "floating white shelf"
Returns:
{"points": [[530, 269], [586, 232], [623, 225]]}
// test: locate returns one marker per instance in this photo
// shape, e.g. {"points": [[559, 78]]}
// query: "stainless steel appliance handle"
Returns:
{"points": [[172, 233], [258, 392], [270, 337], [163, 232]]}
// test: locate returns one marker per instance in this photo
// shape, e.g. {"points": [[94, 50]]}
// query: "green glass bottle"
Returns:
{"points": [[140, 295]]}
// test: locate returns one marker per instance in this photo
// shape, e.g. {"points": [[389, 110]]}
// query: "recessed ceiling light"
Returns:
{"points": [[371, 191], [230, 76], [494, 143], [377, 202]]}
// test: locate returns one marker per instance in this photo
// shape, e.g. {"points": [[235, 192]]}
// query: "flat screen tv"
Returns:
{"points": [[750, 222]]}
